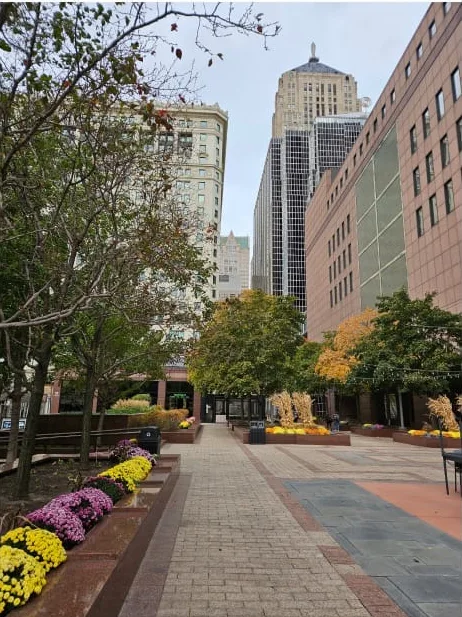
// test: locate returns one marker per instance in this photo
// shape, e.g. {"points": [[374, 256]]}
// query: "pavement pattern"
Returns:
{"points": [[285, 531]]}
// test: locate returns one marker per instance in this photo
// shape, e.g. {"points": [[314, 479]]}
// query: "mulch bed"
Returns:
{"points": [[47, 481]]}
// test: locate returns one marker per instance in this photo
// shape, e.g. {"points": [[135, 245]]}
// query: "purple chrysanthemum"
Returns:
{"points": [[61, 521]]}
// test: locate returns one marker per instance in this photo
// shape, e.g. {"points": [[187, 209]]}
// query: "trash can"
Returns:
{"points": [[149, 439], [257, 433]]}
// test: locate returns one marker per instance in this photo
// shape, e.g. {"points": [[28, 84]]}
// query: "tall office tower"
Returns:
{"points": [[233, 265], [331, 139], [311, 90], [305, 93]]}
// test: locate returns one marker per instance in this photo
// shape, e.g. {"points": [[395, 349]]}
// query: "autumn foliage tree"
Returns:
{"points": [[337, 360]]}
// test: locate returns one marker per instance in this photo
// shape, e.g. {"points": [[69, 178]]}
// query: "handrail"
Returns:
{"points": [[70, 435]]}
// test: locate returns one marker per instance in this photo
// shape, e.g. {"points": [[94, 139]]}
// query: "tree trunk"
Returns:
{"points": [[90, 387], [28, 442], [16, 397]]}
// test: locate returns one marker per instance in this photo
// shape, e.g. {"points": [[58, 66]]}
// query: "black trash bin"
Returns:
{"points": [[257, 433], [149, 439]]}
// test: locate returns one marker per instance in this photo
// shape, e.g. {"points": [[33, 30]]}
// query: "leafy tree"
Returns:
{"points": [[414, 346], [244, 348], [337, 359], [302, 376]]}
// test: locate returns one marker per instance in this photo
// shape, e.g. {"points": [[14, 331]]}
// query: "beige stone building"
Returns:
{"points": [[312, 90], [233, 265]]}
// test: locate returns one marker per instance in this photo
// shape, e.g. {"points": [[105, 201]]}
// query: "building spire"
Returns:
{"points": [[313, 53]]}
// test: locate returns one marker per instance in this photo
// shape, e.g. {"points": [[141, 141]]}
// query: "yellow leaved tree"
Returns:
{"points": [[336, 361]]}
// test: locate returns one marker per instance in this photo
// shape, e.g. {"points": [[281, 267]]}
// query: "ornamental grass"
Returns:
{"points": [[441, 408], [21, 576], [303, 404], [283, 402], [41, 544]]}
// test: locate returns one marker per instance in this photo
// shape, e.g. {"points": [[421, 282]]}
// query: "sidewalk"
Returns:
{"points": [[238, 540]]}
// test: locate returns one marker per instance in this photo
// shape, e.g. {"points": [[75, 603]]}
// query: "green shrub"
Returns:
{"points": [[141, 397], [165, 420], [126, 411]]}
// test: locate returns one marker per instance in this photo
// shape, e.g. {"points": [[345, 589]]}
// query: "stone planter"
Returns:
{"points": [[339, 439], [96, 578], [182, 435], [426, 442], [368, 432]]}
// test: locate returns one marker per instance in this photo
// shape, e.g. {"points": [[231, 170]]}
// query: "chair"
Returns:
{"points": [[454, 457]]}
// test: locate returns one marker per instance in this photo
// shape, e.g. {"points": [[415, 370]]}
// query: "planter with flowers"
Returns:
{"points": [[373, 430], [185, 431], [50, 535], [310, 435]]}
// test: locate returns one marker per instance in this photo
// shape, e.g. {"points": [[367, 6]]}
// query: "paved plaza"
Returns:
{"points": [[293, 531]]}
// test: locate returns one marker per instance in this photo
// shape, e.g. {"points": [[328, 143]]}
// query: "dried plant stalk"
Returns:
{"points": [[441, 408], [303, 404], [283, 401], [459, 402]]}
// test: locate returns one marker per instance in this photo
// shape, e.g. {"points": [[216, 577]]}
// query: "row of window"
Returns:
{"points": [[202, 172], [203, 124], [186, 184], [340, 291], [331, 243], [336, 267], [433, 208], [429, 160], [456, 89], [431, 34]]}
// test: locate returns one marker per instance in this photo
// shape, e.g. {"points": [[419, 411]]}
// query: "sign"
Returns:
{"points": [[6, 424]]}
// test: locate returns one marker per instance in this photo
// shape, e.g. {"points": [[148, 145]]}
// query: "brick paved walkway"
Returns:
{"points": [[234, 541]]}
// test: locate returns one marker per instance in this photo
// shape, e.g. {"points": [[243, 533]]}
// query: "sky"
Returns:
{"points": [[363, 39]]}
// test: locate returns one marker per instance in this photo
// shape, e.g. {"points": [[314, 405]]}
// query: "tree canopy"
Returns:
{"points": [[245, 346]]}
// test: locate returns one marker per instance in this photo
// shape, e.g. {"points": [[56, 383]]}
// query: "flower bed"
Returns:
{"points": [[183, 435], [28, 553], [373, 430], [319, 436], [427, 440]]}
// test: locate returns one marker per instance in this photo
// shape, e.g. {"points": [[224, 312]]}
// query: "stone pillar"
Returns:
{"points": [[161, 392], [197, 406]]}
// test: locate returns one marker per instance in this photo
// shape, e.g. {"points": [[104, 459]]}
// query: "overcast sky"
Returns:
{"points": [[364, 39]]}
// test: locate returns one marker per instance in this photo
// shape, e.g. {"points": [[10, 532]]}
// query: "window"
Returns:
{"points": [[455, 82], [419, 221], [345, 287], [328, 248], [439, 104], [375, 125], [349, 254], [202, 148], [201, 185], [331, 299], [419, 51], [354, 160], [203, 124], [413, 139], [330, 274], [203, 137], [214, 293], [407, 70], [384, 111], [459, 133], [430, 167], [446, 7], [219, 127], [333, 242], [444, 147], [335, 269], [335, 294], [449, 197], [432, 29], [344, 259], [216, 201], [351, 281], [202, 173], [433, 210], [340, 291], [392, 96], [339, 264], [416, 181], [346, 174], [368, 135], [201, 199], [360, 149], [426, 123], [348, 223], [216, 216], [338, 236], [343, 230]]}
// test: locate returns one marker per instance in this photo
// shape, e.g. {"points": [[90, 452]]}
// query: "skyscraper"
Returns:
{"points": [[305, 93], [233, 265]]}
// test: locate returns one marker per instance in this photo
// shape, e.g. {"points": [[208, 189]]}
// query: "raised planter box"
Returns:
{"points": [[96, 578], [368, 432], [426, 442], [339, 439], [182, 435]]}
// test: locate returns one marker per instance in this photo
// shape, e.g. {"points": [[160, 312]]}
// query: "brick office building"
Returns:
{"points": [[391, 216]]}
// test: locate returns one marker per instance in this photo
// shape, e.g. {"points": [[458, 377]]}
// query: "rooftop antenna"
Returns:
{"points": [[313, 53]]}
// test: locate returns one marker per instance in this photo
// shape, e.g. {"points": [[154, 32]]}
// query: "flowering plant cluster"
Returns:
{"points": [[41, 544], [89, 504], [129, 472], [421, 433], [127, 449], [21, 576], [187, 423], [374, 427], [61, 521], [113, 489], [311, 430]]}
